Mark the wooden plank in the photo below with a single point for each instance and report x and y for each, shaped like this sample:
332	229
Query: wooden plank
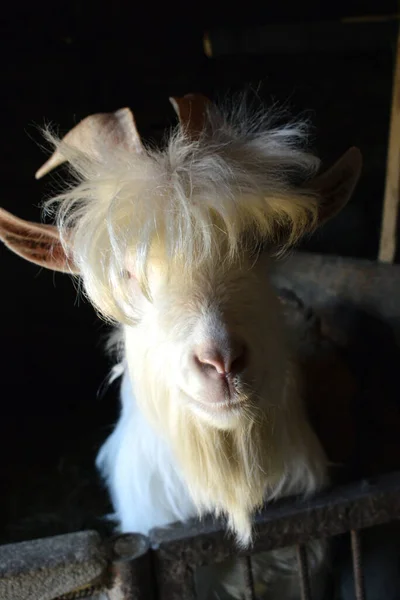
388	241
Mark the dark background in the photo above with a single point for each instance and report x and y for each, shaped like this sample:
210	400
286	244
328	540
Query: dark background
62	61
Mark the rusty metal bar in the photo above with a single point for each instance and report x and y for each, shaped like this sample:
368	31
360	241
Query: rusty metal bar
86	592
51	567
175	580
130	566
285	523
131	569
249	592
78	565
302	562
359	587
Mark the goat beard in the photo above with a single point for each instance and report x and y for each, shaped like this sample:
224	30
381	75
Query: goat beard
227	471
271	452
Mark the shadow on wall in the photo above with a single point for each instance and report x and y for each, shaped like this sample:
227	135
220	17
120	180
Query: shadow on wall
370	348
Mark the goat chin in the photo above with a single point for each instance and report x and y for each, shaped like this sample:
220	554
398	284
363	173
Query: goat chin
160	472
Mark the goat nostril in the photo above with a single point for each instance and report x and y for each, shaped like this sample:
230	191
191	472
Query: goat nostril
211	362
215	362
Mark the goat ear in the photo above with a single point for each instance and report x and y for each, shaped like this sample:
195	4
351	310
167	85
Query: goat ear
37	243
96	135
192	112
336	185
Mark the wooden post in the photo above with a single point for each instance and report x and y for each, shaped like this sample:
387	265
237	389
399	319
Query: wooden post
387	247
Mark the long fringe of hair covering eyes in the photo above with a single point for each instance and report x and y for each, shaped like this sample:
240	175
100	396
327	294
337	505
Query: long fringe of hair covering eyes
203	199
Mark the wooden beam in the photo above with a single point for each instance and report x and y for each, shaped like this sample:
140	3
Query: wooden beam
388	241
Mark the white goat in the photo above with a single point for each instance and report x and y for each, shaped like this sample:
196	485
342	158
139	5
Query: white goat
175	245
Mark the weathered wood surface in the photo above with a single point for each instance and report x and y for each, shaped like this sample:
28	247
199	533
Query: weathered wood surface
390	216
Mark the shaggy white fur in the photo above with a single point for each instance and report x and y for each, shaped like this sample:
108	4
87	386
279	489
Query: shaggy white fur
175	245
205	200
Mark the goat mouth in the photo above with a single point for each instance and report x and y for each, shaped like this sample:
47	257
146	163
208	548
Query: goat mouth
232	403
230	398
230	387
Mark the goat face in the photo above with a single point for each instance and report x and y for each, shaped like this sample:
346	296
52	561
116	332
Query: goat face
213	338
208	326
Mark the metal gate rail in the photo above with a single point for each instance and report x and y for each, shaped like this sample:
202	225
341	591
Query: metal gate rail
288	522
133	567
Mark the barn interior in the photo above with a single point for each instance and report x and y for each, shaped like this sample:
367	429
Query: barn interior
333	62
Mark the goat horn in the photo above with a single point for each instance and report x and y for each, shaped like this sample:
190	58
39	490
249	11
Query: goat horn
94	133
55	160
192	112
